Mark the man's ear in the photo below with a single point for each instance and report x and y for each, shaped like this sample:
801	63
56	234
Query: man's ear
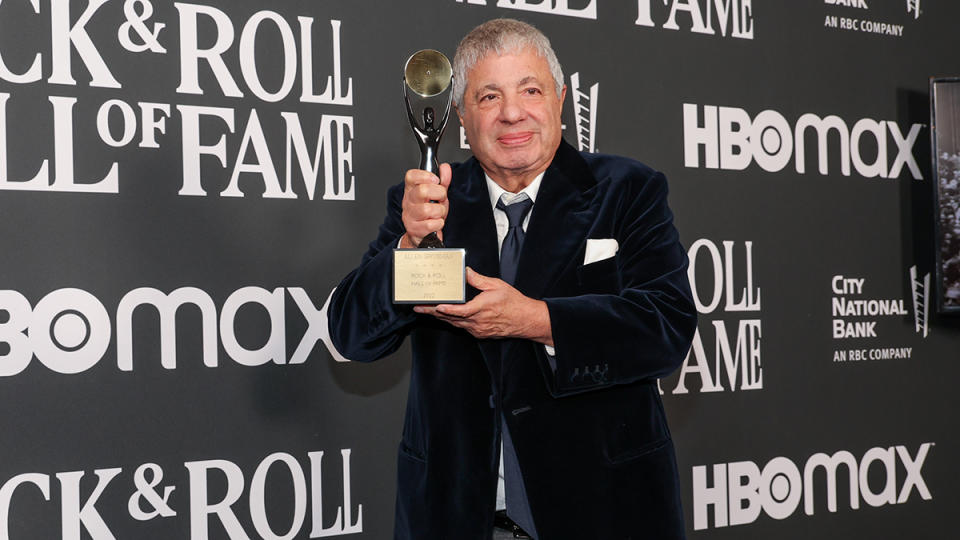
459	116
563	95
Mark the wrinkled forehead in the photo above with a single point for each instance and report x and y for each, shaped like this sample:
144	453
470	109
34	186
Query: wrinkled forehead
528	63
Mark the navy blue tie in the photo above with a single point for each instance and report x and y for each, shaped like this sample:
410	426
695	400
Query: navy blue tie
518	509
510	250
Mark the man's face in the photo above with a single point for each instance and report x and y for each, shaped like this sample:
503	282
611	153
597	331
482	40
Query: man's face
511	113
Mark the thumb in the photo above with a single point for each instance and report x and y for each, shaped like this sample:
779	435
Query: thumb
480	281
446	173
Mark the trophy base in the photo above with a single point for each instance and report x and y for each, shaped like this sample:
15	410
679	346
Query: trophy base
429	276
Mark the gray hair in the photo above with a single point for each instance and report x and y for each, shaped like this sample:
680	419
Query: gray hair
500	36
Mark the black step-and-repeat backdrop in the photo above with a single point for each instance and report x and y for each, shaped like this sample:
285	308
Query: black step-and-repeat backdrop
182	184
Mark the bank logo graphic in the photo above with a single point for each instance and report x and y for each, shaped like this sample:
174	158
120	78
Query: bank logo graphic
731	140
920	292
725	352
913	6
855	313
583	9
740	491
862	4
585	114
858	318
844	21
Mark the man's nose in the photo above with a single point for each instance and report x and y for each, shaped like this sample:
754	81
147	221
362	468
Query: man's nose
512	109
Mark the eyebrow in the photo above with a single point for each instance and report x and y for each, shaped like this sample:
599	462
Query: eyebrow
495	88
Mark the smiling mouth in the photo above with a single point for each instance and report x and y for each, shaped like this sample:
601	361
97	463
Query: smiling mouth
515	139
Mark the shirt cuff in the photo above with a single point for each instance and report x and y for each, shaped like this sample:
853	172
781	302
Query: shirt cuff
551	357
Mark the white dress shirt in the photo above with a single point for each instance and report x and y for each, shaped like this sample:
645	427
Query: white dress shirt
496	192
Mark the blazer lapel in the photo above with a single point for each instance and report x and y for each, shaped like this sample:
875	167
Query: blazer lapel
559	223
470	225
470	221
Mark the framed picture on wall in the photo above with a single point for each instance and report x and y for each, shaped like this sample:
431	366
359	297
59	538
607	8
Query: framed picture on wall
945	142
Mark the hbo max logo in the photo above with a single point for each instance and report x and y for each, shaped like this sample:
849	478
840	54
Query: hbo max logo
741	491
730	139
69	330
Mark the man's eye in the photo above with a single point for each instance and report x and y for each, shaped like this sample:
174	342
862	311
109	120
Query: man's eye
533	91
489	97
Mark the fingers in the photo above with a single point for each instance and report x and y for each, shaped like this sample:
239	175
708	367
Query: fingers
450	311
466	323
460	311
428	193
420	176
425	206
427	181
422	186
427	211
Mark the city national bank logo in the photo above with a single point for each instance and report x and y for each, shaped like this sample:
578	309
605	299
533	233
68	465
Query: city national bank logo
728	138
69	330
849	308
857	315
740	491
883	24
585	113
725	353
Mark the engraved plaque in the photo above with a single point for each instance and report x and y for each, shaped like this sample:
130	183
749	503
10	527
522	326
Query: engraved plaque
429	276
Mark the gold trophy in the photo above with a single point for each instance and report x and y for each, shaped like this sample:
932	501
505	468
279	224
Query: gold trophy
431	273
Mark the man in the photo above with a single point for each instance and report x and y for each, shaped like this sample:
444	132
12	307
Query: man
558	360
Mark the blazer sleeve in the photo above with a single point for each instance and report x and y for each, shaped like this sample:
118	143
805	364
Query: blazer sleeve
364	323
644	330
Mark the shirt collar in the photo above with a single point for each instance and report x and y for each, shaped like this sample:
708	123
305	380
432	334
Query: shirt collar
496	191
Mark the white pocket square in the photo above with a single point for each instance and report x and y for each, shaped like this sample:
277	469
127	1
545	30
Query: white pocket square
599	249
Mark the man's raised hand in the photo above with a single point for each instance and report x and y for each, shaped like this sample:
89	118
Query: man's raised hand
425	204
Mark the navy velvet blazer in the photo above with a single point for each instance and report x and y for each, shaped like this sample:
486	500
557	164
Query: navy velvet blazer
590	435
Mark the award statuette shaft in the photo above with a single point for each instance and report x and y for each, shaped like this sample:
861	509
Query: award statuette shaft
430	273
